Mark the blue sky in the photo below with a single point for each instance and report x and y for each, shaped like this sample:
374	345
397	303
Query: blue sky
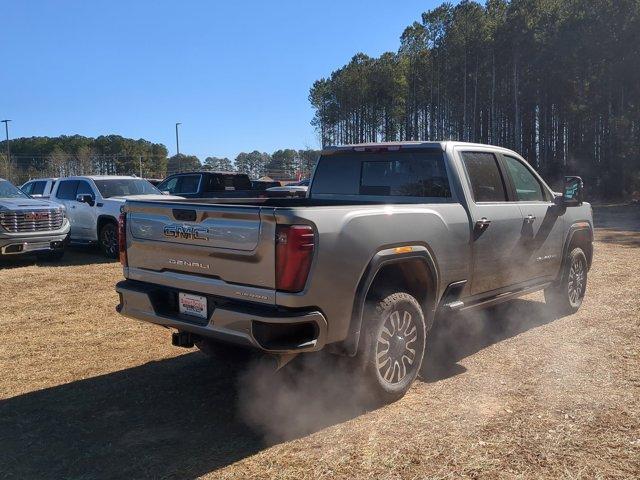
236	74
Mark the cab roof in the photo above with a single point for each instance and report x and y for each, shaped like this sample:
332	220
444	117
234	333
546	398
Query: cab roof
375	146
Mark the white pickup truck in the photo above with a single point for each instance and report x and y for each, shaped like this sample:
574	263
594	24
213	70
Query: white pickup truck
93	206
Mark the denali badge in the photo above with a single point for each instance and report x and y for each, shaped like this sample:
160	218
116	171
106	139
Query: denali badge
188	232
187	263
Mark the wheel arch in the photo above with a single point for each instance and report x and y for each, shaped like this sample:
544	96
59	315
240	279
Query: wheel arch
102	221
580	235
414	271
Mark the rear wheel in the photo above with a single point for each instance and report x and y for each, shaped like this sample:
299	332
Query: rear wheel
565	297
393	345
108	240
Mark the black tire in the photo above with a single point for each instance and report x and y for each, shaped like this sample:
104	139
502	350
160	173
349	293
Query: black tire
55	256
565	297
223	352
392	345
108	240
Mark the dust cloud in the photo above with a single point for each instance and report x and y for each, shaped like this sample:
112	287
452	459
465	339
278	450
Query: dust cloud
312	392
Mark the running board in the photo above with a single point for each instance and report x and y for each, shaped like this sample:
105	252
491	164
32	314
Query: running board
460	306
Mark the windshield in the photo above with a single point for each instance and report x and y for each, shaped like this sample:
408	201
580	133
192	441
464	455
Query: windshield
121	187
9	191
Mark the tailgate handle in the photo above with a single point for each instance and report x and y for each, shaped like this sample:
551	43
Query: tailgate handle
184	215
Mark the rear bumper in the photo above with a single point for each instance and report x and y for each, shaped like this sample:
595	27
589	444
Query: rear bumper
18	245
269	329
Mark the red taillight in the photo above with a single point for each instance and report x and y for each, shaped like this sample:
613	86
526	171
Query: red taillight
122	238
294	252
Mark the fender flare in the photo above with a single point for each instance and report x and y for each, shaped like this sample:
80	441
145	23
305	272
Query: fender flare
573	229
102	219
380	260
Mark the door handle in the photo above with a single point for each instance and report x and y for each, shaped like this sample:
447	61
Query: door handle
483	224
529	218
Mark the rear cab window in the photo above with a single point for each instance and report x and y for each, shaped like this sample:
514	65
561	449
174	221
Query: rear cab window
410	174
38	188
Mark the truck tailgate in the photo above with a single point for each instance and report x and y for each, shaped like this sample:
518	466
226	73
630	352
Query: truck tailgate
220	247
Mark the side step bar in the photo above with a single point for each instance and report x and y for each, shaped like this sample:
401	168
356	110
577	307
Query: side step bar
460	306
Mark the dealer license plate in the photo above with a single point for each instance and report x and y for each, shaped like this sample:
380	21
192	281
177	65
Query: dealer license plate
194	305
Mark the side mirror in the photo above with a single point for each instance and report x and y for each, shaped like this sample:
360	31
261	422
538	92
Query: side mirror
85	198
572	193
165	192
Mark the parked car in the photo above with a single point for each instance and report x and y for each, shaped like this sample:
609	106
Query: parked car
389	237
208	185
295	189
93	205
40	188
29	225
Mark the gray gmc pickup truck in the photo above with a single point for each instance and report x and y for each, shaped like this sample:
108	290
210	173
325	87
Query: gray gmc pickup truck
29	225
389	237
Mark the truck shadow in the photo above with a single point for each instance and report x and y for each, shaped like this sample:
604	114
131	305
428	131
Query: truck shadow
457	336
186	416
75	255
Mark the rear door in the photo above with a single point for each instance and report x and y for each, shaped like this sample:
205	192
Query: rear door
496	222
66	194
219	245
86	219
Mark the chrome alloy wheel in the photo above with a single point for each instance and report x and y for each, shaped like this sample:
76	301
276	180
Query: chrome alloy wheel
395	351
576	282
109	239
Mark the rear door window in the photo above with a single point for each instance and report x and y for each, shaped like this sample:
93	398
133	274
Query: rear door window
188	184
38	188
487	184
67	190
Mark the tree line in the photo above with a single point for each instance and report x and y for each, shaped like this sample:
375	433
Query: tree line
556	80
115	155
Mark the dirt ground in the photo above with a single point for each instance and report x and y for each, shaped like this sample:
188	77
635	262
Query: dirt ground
510	393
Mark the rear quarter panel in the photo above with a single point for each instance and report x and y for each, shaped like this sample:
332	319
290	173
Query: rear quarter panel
348	237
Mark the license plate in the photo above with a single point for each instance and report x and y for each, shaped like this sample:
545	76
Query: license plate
194	305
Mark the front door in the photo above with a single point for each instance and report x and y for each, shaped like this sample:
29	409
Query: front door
496	224
542	227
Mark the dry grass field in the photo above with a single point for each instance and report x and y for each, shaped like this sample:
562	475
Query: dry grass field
510	393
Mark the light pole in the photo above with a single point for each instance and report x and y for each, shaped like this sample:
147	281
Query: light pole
178	147
6	130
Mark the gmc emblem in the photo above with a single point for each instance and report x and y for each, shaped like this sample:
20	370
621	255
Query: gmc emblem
186	232
33	216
